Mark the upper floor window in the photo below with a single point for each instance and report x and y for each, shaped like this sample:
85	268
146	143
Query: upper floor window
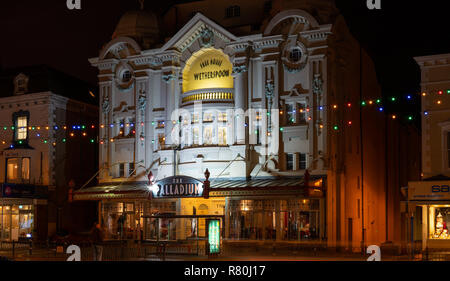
18	170
126	76
20	120
289	162
295	55
302	161
22	128
233	11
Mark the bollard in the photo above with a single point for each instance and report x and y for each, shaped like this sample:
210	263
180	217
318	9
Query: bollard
13	249
31	248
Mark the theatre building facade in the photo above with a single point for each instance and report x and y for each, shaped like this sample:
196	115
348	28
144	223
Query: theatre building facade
234	117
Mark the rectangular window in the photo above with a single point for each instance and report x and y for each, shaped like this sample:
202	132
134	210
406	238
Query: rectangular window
160	124
22	128
12	170
122	170
301	113
222	135
195	136
161	141
195	118
131	169
207	137
289	162
302	161
18	170
25	169
290	114
222	117
207	117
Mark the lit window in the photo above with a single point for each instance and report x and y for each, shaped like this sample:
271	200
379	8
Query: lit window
12	170
222	117
25	169
207	137
207	117
222	136
195	118
161	141
22	128
195	136
160	124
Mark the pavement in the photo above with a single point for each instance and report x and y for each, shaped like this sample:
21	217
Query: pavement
49	255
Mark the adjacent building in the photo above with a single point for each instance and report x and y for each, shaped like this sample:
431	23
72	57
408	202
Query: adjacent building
428	203
42	154
276	100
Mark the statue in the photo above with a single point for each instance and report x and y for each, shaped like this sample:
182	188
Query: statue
317	84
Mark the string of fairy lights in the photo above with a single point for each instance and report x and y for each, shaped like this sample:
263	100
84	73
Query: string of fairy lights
90	132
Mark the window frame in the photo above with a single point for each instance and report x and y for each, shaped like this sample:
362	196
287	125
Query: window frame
15	120
19	179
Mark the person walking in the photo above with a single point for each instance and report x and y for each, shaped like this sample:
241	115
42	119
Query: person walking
97	241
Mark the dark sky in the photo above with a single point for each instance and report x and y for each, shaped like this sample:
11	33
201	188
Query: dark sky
46	32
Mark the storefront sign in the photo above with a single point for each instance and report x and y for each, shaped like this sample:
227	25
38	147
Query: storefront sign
431	190
214	236
178	186
23	191
207	69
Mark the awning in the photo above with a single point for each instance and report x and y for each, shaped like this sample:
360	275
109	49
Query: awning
218	188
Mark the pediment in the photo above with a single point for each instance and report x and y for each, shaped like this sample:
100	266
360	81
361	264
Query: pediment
194	30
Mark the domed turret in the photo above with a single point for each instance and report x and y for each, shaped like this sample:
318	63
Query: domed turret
140	25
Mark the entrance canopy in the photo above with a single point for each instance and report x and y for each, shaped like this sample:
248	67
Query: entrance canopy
218	188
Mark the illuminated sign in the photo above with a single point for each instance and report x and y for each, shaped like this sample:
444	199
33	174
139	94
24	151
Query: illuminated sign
214	236
425	190
178	186
209	68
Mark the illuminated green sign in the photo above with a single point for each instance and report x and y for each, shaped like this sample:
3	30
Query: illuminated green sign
214	236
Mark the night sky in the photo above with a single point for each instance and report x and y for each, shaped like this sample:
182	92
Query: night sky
46	32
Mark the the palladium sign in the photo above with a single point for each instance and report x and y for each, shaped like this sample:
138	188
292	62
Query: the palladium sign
178	186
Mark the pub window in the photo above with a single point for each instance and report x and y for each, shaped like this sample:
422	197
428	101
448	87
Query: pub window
289	162
18	170
22	128
302	161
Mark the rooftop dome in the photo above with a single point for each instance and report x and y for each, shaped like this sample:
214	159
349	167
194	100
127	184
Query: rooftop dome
140	25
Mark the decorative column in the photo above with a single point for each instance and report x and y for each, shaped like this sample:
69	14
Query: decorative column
140	136
106	133
240	75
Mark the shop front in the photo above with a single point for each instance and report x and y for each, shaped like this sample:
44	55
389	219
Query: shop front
20	206
429	202
248	210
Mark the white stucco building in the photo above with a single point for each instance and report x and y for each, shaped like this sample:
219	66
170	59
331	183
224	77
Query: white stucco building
260	56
